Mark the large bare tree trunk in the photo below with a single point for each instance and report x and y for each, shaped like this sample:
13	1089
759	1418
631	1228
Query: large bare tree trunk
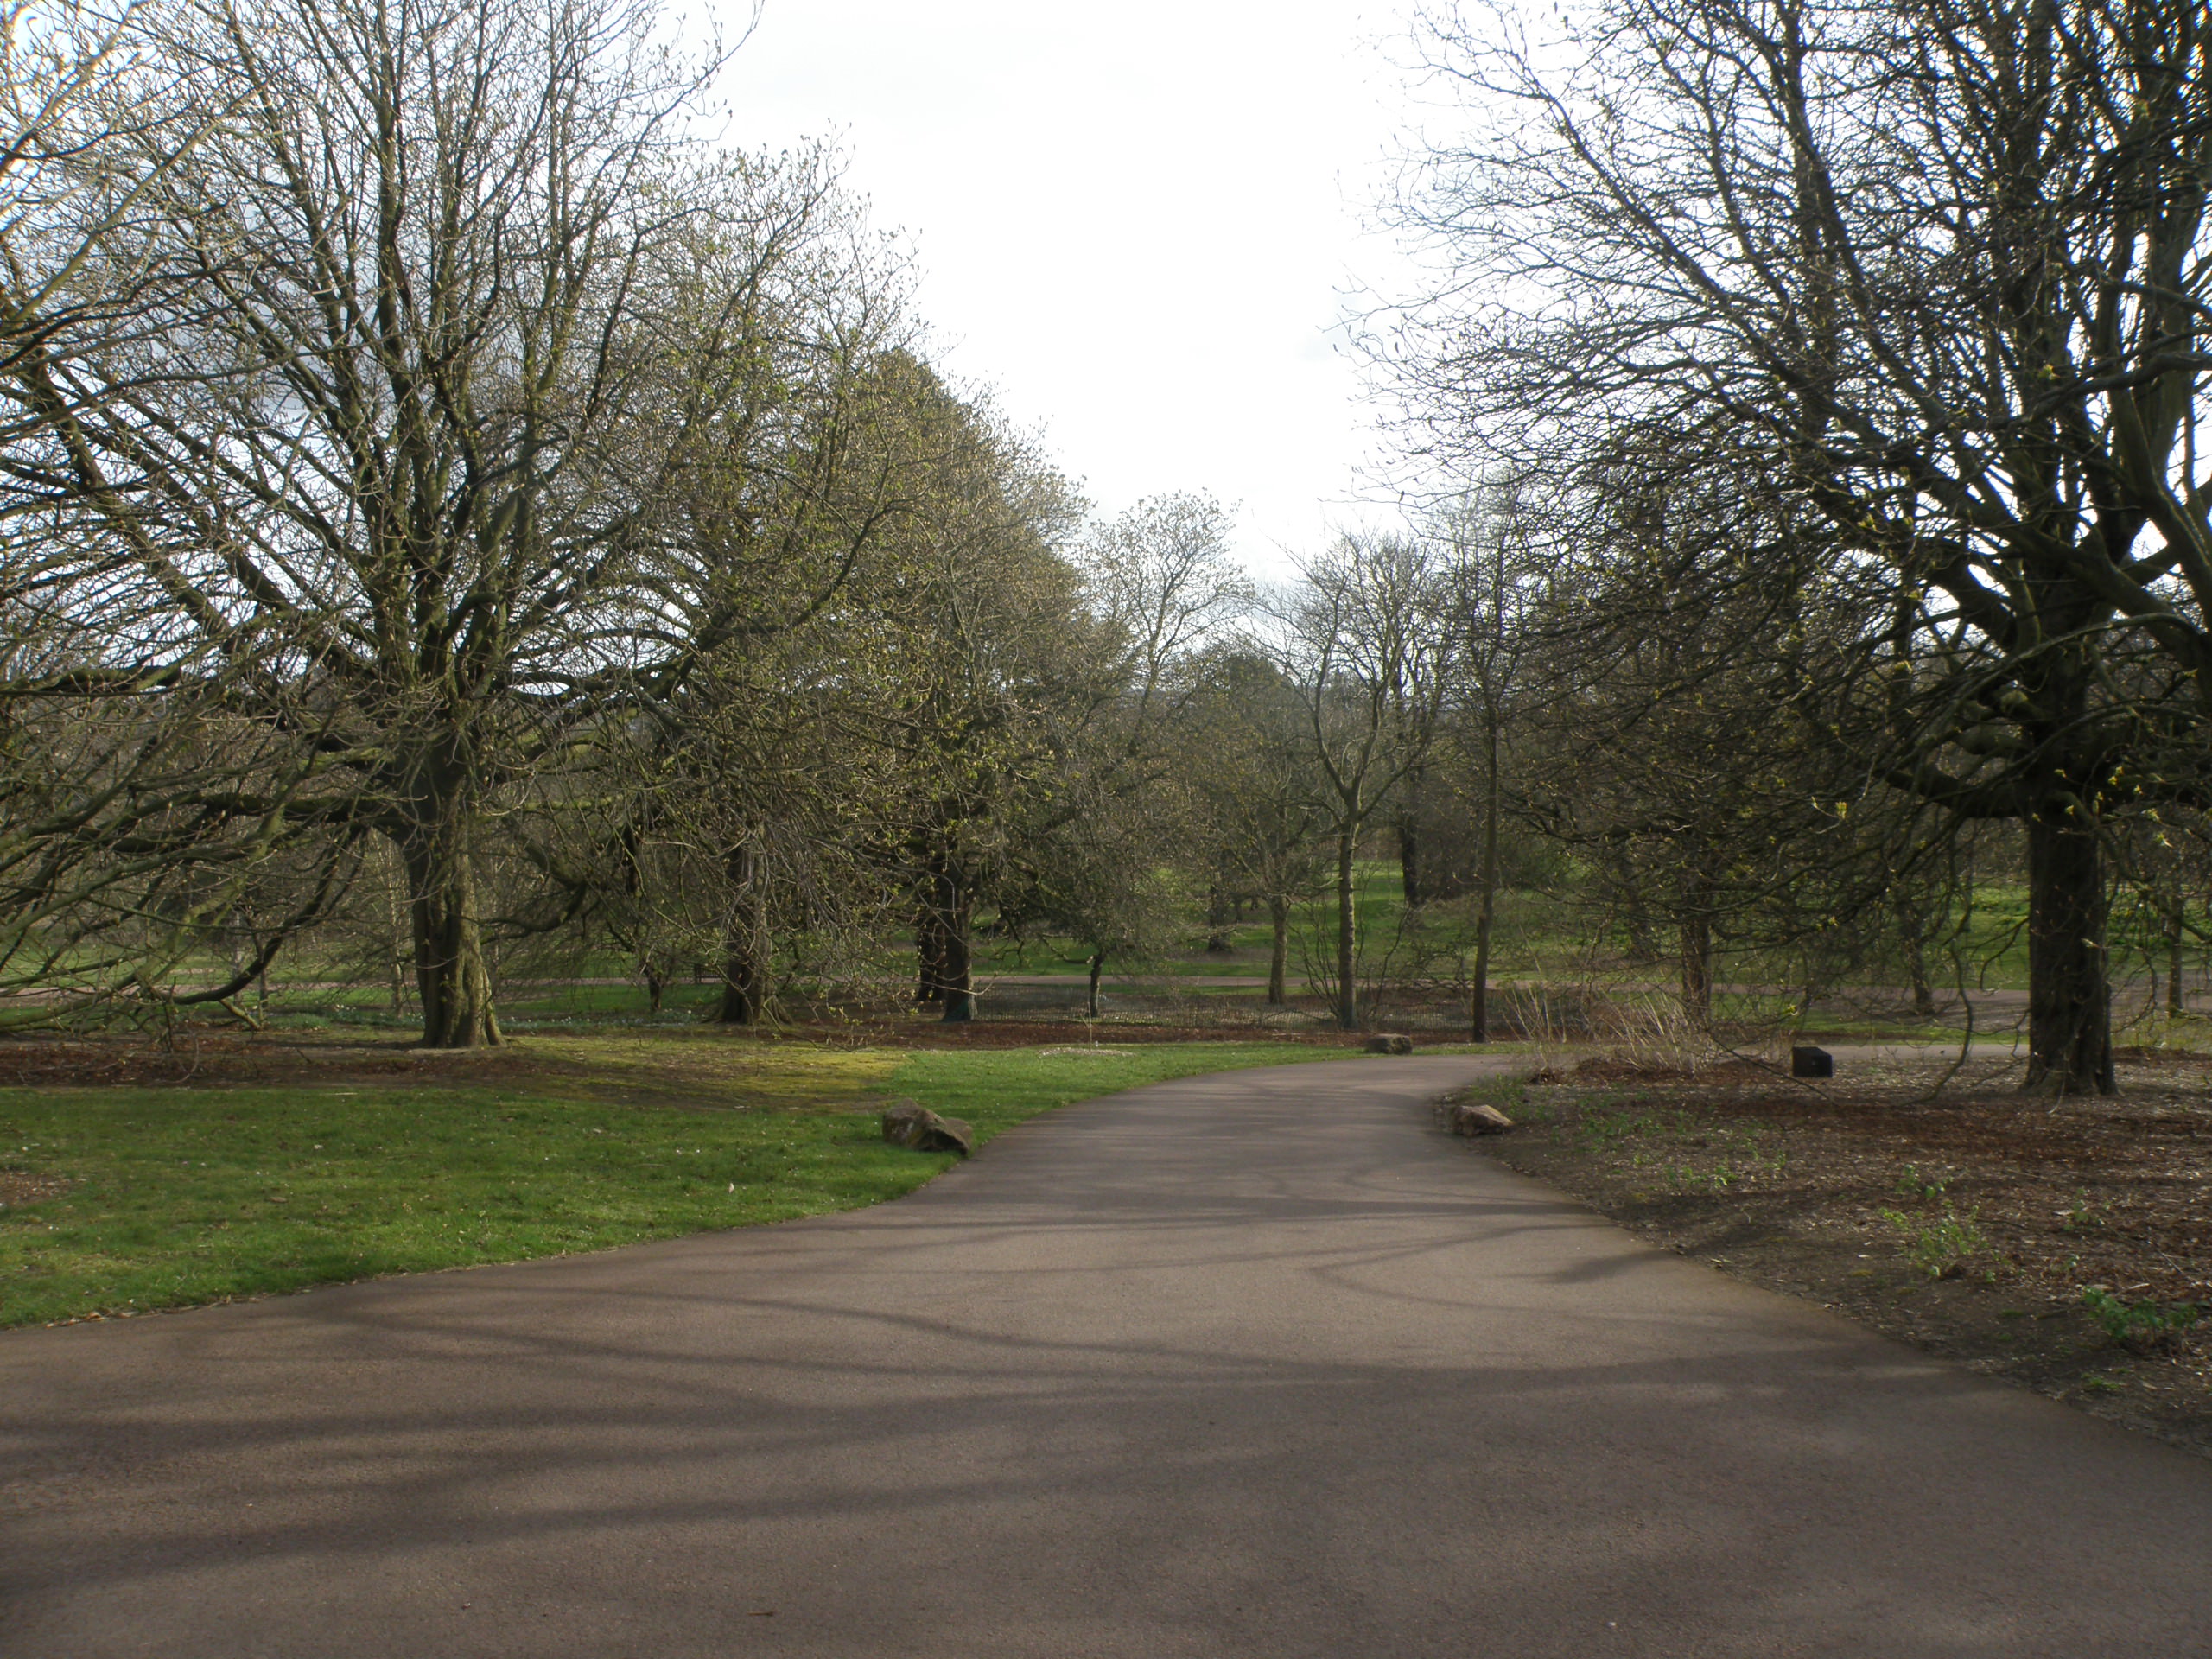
1479	1007
943	932
959	985
744	994
1347	921
2069	998
1409	872
929	954
451	972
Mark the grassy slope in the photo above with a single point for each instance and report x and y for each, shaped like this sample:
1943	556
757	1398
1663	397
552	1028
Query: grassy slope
179	1196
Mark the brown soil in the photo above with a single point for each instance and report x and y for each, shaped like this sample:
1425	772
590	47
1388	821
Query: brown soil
925	1032
232	1057
17	1189
228	1057
1970	1223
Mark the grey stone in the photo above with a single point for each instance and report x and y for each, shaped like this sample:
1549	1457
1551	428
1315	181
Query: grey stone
910	1124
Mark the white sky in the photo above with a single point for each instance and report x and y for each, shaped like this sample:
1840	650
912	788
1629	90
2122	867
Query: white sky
1135	220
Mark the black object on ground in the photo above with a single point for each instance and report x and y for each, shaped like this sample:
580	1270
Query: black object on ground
1811	1063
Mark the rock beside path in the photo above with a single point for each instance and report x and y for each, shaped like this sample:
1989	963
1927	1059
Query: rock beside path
1464	1117
912	1125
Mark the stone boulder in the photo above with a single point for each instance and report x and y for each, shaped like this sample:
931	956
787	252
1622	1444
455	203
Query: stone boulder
1464	1117
1390	1043
909	1124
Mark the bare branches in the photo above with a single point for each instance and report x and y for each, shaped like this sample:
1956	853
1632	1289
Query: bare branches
1935	275
1368	641
411	386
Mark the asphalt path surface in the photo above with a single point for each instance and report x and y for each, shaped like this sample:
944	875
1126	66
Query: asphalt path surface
1259	1363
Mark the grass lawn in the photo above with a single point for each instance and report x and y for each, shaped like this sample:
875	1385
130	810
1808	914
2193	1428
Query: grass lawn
173	1196
1542	939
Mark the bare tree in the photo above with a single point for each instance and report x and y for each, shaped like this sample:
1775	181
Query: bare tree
1492	587
1698	658
142	819
1366	643
1161	577
976	622
82	141
1248	756
1938	268
755	772
1092	855
448	314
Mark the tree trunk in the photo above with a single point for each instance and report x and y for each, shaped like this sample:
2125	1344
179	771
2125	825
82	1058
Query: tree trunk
1218	919
958	981
744	943
1914	929
2176	998
1478	1006
1097	967
656	986
451	973
1278	951
1409	874
743	997
2070	999
928	953
398	936
1696	936
1635	918
1347	988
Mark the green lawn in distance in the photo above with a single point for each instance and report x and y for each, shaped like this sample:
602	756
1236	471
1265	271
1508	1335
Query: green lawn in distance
180	1195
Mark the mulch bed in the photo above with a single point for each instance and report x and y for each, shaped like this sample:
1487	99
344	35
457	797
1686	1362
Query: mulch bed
1979	1222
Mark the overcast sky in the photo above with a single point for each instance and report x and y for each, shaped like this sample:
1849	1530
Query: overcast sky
1135	220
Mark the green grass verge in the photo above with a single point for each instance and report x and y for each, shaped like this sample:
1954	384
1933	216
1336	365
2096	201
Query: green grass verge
180	1195
1542	936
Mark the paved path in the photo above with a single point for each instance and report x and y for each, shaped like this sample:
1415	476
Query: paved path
1256	1364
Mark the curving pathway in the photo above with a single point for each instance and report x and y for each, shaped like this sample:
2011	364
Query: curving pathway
1254	1365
